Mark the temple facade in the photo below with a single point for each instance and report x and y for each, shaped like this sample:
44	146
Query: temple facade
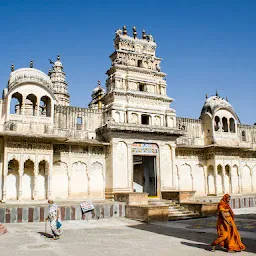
129	139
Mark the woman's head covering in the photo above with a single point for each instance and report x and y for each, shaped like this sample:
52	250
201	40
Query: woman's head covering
224	204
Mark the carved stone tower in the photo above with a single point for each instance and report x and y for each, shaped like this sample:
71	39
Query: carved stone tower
58	78
136	89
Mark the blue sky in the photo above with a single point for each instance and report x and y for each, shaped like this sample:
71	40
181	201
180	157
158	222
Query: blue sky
205	45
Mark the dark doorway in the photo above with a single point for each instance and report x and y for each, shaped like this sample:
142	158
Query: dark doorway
144	174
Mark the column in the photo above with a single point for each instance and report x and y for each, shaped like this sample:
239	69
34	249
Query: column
173	167
69	185
37	108
49	192
130	166
215	178
5	172
20	187
23	105
35	195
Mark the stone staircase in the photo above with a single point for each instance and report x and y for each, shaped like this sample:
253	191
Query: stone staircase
175	211
3	229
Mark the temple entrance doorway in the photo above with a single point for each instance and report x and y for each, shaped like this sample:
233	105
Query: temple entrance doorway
144	174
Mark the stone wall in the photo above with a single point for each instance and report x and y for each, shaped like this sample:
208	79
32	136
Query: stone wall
22	214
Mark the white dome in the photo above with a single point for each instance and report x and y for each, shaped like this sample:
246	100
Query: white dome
29	75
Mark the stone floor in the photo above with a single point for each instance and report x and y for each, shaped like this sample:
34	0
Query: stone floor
122	237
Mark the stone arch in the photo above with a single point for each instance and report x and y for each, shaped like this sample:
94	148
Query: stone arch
157	121
210	180
28	180
42	179
224	124
121	154
219	179
232	125
79	180
45	106
97	181
227	179
12	180
199	180
134	118
30	105
16	104
60	180
167	170
185	178
235	179
117	117
246	180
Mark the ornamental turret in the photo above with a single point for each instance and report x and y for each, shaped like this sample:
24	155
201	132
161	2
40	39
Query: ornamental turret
97	95
58	78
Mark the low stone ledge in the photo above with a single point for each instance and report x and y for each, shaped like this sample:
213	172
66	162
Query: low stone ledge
37	213
147	213
203	209
132	198
179	196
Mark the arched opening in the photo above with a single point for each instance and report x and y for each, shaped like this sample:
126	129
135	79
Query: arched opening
16	104
232	125
216	123
12	180
235	180
227	179
42	179
246	180
210	180
219	180
60	176
97	181
79	180
45	106
224	124
28	180
30	105
157	121
185	178
145	119
199	180
243	136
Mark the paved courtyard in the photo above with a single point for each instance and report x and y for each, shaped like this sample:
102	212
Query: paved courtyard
123	237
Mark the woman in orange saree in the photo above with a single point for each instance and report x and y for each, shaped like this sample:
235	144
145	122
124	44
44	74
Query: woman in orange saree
228	235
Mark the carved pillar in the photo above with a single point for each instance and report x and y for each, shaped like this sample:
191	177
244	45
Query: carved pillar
4	188
69	185
37	107
35	195
23	105
20	186
49	192
173	166
215	178
130	167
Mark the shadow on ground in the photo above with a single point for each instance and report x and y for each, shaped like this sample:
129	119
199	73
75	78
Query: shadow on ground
203	239
45	234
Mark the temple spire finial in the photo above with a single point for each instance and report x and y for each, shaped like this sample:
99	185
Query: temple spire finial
58	57
227	99
12	68
124	31
98	83
144	36
206	96
217	93
31	64
134	32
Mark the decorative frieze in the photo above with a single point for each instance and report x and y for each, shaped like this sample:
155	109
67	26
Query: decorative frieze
28	145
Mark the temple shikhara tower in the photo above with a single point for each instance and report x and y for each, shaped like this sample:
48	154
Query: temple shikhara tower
128	140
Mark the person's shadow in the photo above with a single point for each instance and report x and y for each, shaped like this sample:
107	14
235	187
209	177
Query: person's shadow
45	234
206	247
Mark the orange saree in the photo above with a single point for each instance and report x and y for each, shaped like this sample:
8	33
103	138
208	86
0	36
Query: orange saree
228	236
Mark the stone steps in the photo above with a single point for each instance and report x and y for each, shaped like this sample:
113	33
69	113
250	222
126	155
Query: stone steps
175	211
3	229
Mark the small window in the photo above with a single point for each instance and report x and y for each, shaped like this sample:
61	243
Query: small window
224	124
140	63
79	123
232	125
216	123
145	119
142	87
243	136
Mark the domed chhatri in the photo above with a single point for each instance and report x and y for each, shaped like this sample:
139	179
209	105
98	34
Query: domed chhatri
215	103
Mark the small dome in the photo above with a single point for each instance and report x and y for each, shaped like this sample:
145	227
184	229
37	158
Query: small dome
58	63
29	75
214	103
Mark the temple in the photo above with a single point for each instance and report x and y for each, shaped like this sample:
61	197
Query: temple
129	139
